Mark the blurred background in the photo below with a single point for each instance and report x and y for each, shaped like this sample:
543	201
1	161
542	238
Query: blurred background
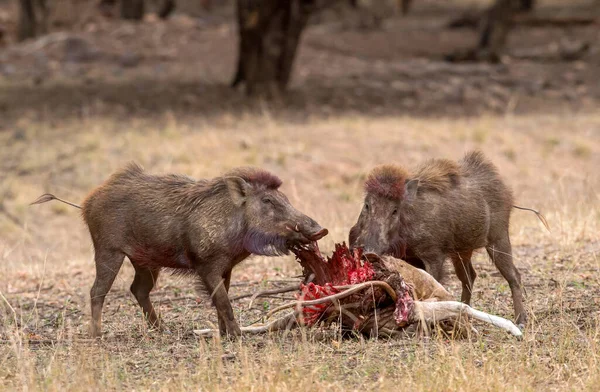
461	57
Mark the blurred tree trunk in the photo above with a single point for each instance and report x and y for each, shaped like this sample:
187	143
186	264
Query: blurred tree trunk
27	24
132	9
494	30
166	8
494	27
404	5
526	5
30	25
269	33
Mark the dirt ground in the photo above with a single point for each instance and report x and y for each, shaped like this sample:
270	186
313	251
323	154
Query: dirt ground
77	105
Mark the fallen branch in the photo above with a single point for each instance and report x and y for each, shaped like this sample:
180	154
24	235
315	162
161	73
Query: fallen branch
266	292
472	20
283	323
274	291
349	290
563	52
564	21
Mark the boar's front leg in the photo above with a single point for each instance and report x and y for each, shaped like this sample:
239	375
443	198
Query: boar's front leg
222	322
465	272
434	263
217	282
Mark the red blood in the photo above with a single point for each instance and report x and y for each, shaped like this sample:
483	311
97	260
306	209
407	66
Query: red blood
347	267
404	306
343	268
308	292
160	257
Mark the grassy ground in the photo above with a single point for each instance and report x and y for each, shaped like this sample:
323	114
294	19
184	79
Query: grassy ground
47	269
67	133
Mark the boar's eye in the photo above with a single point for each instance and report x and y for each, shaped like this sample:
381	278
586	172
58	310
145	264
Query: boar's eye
367	207
267	200
395	212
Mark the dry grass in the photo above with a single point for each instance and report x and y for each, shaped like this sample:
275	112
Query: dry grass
47	269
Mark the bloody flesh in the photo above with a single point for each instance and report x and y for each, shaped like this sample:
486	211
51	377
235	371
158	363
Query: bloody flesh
349	267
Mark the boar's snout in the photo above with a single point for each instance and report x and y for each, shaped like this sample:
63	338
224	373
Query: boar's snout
366	242
319	234
307	231
361	245
313	231
367	249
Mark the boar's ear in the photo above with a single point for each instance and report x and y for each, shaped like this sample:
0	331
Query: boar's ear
410	189
238	189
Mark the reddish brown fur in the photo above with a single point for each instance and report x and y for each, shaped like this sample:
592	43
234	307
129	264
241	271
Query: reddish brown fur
256	176
387	181
438	175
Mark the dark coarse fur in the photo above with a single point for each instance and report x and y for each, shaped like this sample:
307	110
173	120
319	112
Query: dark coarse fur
445	210
202	227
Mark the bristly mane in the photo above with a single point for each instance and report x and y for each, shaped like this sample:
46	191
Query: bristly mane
387	181
476	161
256	176
438	175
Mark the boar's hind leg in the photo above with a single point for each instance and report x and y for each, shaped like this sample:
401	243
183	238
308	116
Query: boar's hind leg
465	272
500	252
108	264
142	285
215	283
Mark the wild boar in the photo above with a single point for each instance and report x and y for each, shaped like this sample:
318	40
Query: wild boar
442	210
203	227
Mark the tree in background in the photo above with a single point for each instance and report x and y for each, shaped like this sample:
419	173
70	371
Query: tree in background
269	33
33	18
494	26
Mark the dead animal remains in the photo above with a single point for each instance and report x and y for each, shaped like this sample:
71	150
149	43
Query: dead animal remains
373	295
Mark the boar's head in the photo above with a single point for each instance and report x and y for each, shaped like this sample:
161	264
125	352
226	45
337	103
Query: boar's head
380	226
272	224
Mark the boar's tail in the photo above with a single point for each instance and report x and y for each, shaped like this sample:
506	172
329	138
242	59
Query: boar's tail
48	196
539	215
